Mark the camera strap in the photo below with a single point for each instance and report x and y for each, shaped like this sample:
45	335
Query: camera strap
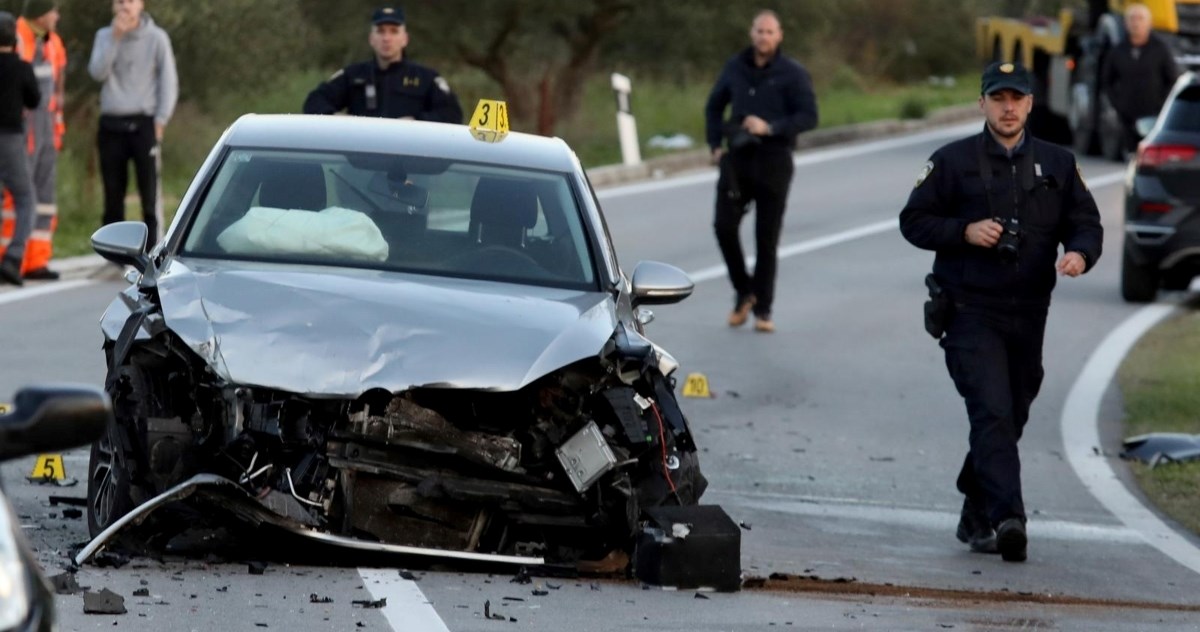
1024	169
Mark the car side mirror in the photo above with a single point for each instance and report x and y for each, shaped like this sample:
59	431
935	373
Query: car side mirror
123	243
1145	125
49	418
657	283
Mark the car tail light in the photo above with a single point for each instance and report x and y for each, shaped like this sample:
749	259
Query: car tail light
1154	207
1151	155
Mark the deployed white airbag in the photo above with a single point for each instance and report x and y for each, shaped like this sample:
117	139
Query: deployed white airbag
333	232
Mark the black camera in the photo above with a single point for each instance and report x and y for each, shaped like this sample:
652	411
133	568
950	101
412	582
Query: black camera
1009	239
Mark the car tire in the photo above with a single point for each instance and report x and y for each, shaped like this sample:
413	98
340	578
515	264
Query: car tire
109	491
1139	283
112	489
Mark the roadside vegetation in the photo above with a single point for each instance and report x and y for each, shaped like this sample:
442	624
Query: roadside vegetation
1160	383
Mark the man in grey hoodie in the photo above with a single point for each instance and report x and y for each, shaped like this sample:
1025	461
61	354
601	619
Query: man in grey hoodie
132	57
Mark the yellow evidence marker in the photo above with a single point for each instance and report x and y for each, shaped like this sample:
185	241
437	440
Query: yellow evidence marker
696	385
49	467
489	123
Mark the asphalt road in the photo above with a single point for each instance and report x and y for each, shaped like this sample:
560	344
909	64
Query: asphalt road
835	441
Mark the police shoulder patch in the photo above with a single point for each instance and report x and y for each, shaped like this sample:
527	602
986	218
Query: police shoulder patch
442	84
925	171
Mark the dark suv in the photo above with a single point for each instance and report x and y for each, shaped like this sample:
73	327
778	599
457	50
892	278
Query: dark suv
1162	200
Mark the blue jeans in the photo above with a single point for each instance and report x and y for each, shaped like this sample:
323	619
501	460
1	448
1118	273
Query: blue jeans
14	176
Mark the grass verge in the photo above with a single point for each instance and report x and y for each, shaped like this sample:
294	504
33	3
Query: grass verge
1160	383
662	108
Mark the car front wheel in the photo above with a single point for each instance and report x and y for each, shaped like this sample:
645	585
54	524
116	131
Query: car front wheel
109	488
1139	283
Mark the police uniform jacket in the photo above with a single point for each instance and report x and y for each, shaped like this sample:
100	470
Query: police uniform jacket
780	93
1044	191
402	89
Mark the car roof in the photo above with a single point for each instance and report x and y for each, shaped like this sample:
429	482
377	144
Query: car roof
391	136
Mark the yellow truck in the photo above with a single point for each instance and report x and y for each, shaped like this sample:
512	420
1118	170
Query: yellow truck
1066	55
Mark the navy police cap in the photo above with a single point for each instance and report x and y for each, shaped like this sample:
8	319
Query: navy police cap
1006	76
388	15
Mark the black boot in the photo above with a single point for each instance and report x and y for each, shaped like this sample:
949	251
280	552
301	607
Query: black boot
10	271
1011	540
974	529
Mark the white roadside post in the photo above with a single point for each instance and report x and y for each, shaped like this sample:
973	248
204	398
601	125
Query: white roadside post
631	154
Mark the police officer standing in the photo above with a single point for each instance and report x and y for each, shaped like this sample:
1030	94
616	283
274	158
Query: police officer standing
772	102
388	86
995	207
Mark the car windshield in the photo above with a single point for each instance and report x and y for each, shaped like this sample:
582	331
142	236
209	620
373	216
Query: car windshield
1184	113
394	212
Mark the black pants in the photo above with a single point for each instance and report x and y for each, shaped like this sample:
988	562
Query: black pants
121	139
995	359
762	175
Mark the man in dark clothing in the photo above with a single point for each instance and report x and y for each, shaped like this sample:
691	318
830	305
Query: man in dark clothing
995	207
1138	73
18	92
388	86
772	101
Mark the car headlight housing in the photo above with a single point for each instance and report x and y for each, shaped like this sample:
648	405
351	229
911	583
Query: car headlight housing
14	581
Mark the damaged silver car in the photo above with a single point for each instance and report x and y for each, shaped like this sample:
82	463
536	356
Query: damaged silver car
389	332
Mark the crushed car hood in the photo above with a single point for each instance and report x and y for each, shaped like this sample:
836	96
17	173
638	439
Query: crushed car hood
338	332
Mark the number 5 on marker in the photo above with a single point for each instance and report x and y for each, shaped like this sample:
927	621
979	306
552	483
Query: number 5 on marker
49	467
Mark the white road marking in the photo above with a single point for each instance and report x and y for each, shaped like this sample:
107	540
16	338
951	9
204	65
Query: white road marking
42	290
1080	435
407	607
802	159
941	521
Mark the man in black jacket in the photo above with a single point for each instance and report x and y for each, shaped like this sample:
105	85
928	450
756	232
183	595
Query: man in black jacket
1138	73
389	85
772	101
995	207
18	92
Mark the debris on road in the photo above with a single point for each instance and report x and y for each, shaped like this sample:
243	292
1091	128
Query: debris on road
110	559
314	598
256	568
1157	448
522	577
103	602
141	592
697	546
73	501
72	513
65	584
367	603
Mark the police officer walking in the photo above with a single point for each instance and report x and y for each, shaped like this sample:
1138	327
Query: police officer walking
995	207
388	86
772	102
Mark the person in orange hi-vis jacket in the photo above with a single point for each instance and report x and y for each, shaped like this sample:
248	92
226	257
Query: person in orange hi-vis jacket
40	45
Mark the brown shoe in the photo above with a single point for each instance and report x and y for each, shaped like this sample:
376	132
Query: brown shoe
764	324
741	311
